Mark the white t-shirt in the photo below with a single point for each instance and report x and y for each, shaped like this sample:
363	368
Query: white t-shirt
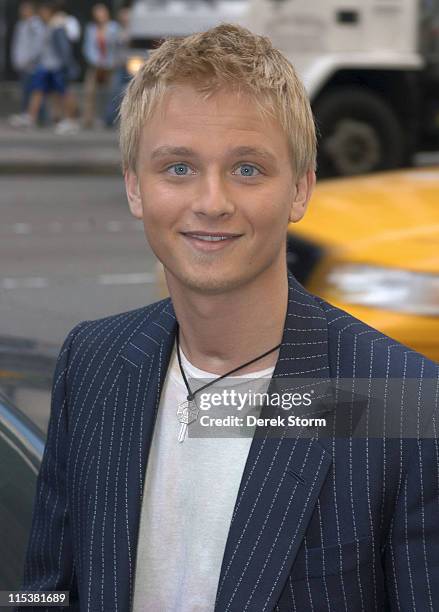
189	497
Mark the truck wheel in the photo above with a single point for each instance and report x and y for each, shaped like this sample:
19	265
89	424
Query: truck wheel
359	133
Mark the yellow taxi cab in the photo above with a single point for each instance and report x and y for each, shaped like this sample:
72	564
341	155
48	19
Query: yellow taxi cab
370	245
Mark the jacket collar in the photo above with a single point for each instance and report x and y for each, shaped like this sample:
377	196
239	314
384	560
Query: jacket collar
305	336
282	477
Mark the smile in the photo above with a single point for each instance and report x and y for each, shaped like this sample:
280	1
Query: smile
210	241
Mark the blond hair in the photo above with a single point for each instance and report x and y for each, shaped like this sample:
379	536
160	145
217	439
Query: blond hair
227	56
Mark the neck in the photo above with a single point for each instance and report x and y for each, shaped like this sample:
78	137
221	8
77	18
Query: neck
220	332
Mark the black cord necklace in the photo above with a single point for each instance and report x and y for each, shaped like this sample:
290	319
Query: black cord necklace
187	411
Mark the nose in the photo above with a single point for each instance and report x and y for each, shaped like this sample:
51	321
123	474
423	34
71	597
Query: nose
213	198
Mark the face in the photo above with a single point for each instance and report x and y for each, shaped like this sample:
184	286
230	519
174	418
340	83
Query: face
123	17
100	13
215	189
45	13
26	10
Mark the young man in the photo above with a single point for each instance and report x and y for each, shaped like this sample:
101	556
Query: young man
134	513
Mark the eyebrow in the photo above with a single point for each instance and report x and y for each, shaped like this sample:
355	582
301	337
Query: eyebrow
258	151
165	151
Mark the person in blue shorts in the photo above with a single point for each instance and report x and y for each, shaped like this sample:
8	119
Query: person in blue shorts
56	66
27	42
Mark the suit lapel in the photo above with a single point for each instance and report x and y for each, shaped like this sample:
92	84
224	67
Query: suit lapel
282	477
146	358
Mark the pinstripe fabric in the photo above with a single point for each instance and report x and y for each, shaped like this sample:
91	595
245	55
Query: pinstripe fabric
319	524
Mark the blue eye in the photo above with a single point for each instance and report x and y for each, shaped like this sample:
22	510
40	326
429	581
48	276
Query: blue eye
248	170
180	169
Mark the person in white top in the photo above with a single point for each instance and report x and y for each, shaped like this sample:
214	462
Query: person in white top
69	125
26	48
210	170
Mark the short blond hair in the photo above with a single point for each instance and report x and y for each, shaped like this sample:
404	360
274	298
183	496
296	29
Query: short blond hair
227	56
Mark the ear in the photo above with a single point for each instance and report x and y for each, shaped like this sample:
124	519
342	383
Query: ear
133	194
303	191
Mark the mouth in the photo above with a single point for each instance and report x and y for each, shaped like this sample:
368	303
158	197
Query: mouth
210	241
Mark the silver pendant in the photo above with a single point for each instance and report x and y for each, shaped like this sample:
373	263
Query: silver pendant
187	412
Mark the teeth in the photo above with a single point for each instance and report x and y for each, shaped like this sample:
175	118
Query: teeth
210	238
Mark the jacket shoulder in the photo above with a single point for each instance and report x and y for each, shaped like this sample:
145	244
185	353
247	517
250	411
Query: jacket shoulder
95	346
359	350
116	330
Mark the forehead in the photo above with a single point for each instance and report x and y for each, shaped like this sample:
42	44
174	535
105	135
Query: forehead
226	116
100	8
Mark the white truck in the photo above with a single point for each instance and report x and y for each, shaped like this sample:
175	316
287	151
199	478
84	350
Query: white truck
371	67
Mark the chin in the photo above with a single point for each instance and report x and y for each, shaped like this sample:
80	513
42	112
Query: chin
205	283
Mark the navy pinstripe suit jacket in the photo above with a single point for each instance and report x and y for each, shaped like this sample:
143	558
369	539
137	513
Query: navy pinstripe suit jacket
319	524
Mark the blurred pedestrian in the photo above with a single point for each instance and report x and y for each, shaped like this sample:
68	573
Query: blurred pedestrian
71	23
27	44
55	67
100	44
73	30
121	75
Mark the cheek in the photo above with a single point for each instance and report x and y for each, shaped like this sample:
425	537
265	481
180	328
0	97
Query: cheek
273	210
160	205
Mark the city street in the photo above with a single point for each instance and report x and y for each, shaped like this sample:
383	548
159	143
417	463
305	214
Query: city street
70	250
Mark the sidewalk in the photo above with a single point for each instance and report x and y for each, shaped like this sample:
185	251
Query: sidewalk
41	151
